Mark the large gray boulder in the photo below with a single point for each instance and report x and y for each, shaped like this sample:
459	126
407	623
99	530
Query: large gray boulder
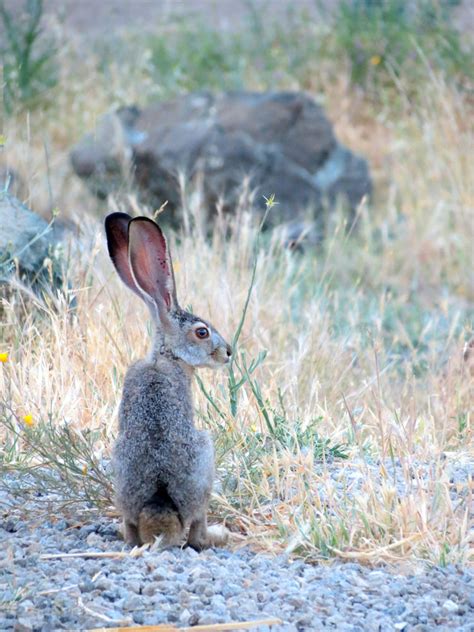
11	182
28	245
277	143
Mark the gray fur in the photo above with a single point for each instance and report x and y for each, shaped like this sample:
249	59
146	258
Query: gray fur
158	445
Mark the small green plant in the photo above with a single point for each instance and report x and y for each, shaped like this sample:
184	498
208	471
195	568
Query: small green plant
191	55
28	59
280	433
444	556
385	40
194	57
10	598
293	435
47	457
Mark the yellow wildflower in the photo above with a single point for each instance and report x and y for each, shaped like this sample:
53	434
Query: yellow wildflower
84	469
375	60
4	357
28	419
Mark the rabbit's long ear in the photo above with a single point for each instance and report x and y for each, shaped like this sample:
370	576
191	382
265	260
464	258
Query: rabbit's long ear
116	229
150	263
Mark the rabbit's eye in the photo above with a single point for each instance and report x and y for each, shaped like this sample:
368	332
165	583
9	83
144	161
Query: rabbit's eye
202	333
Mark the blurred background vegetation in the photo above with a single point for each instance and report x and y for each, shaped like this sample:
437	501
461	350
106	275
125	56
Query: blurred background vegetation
381	44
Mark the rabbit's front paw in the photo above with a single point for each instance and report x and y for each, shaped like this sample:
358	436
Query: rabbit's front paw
217	535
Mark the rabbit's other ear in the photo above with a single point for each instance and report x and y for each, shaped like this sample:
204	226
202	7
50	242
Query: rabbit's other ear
150	263
116	229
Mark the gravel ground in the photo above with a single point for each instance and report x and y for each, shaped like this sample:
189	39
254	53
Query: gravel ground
186	588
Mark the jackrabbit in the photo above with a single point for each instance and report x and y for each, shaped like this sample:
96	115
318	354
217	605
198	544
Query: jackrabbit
164	466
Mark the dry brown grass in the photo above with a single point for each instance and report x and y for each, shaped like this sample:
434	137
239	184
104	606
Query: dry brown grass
365	334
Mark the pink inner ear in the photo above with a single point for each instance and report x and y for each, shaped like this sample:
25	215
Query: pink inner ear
149	261
116	228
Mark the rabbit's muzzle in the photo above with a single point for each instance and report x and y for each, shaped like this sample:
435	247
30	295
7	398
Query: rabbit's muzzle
222	354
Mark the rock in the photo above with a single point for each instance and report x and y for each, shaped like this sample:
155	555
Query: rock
27	243
134	586
139	617
397	609
93	539
24	624
207	618
12	183
149	590
185	617
450	606
133	602
229	590
239	144
103	157
103	583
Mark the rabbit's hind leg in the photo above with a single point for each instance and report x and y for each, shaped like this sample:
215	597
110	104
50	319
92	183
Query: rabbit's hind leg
130	533
160	518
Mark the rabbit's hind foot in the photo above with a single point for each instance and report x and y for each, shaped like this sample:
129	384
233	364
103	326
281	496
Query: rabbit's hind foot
217	535
130	533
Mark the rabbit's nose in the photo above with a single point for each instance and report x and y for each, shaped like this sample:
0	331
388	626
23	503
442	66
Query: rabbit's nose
229	351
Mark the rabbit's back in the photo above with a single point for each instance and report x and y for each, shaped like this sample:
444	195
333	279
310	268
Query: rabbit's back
156	400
